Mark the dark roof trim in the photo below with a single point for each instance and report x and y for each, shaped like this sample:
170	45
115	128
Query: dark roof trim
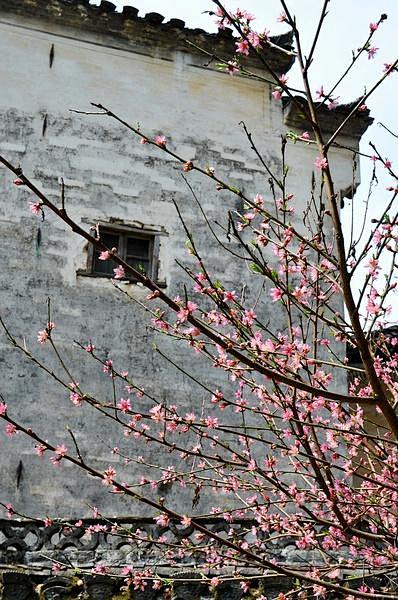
385	336
133	32
330	120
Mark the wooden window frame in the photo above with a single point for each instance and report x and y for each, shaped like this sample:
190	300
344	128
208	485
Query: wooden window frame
124	232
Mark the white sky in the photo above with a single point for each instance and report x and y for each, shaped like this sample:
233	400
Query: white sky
345	29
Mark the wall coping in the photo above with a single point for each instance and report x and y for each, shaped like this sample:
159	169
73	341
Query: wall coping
148	34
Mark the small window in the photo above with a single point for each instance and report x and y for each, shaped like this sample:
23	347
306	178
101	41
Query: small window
138	249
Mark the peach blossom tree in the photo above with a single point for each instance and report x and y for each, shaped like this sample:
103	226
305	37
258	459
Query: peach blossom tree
301	458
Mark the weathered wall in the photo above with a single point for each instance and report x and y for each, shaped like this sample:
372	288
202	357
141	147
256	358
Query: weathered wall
108	174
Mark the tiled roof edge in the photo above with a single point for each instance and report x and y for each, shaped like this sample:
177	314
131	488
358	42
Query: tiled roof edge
130	29
330	120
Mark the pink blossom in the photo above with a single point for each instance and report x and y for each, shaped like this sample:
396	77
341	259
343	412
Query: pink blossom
108	367
321	163
163	520
261	240
127	571
124	404
244	15
229	296
372	307
139	582
186	521
10	429
362	107
157	413
190	417
333	102
100	569
105	255
215	582
184	313
10	511
43	335
47	522
306	541
305	136
35	208
373	267
277	93
119	272
89	347
76	398
211	422
61	450
248	317
188	166
232	68
248	16
276	294
242	47
372	52
216	397
109	475
319	591
300	292
221	17
160	140
373	26
254	39
56	567
387	164
96	528
162	325
387	68
320	93
18	181
40	449
193	331
3	408
153	295
251	465
282	17
334	574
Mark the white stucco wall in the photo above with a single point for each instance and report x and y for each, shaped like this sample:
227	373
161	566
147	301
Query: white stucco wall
108	174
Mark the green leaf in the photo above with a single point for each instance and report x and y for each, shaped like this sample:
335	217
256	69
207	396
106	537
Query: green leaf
188	245
234	190
274	275
292	136
255	268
